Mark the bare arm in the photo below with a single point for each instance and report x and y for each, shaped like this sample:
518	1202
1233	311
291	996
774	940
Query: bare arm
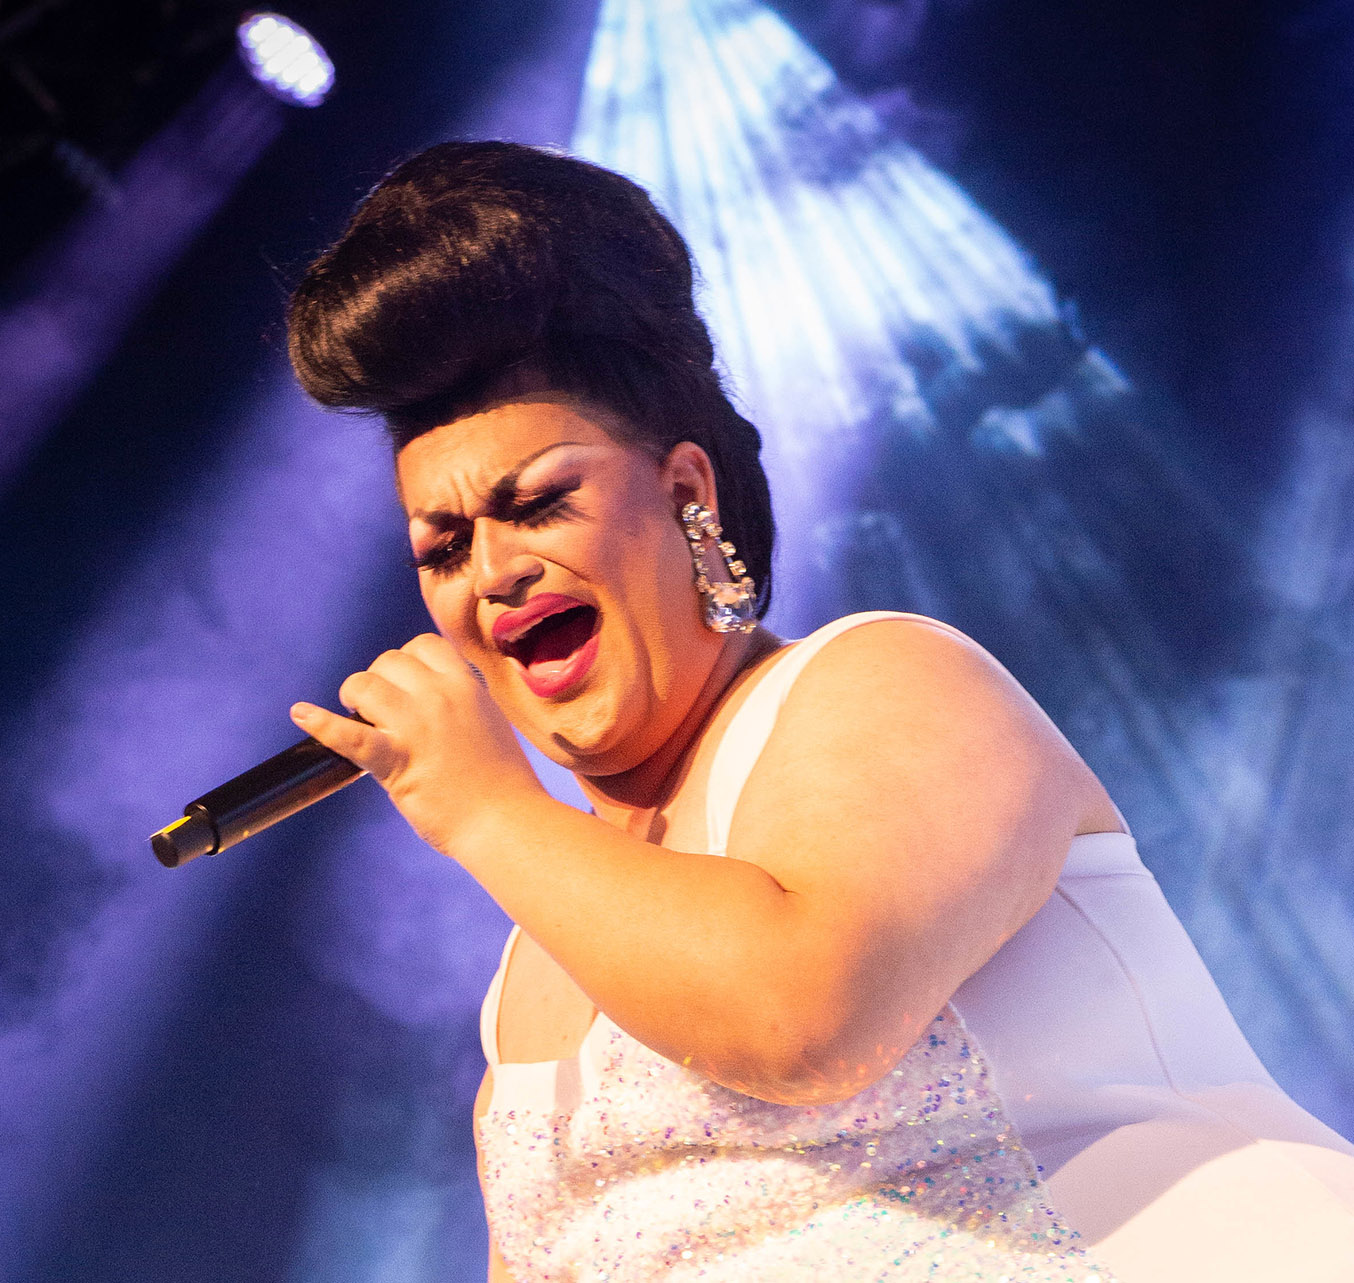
911	810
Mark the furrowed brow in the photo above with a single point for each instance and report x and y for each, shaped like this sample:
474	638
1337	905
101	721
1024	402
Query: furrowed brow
503	492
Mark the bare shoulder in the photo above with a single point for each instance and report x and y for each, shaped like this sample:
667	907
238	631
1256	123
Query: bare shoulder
903	733
915	671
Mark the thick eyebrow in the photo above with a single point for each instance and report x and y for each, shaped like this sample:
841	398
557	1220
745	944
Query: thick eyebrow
504	491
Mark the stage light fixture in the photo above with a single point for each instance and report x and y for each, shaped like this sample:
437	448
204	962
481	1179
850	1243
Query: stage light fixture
285	59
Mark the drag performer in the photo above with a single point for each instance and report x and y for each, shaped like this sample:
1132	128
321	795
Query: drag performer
853	972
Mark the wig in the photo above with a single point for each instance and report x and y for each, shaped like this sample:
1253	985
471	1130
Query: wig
476	263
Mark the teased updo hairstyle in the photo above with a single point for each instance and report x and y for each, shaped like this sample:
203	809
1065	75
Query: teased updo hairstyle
475	261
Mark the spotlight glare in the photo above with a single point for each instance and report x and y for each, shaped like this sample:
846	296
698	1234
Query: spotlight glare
270	46
285	59
259	31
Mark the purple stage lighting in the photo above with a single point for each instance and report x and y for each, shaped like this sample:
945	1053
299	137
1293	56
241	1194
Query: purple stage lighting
285	59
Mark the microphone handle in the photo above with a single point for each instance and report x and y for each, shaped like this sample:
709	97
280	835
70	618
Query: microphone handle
284	784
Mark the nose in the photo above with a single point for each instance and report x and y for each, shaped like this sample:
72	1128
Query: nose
500	565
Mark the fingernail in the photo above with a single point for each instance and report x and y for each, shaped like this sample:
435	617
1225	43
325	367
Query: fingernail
300	712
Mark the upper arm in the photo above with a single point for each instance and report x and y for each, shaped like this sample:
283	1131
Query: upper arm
917	805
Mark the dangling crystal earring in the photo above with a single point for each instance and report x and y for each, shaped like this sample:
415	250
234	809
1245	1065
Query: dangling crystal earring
730	604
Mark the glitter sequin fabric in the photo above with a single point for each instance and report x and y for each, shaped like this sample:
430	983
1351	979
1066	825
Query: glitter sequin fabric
656	1172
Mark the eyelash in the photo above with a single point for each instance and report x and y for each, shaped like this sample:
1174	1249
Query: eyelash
450	555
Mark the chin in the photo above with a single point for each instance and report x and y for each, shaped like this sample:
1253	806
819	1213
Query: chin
589	735
604	724
595	744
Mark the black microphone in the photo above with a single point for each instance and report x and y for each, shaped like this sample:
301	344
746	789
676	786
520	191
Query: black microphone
268	792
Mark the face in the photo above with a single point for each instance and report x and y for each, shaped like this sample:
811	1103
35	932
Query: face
553	558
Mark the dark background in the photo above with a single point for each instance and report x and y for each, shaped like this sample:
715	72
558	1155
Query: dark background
261	1067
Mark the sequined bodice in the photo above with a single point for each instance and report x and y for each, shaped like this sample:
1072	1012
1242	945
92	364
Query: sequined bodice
639	1169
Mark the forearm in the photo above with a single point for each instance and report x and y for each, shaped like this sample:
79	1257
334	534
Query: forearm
710	961
872	886
702	958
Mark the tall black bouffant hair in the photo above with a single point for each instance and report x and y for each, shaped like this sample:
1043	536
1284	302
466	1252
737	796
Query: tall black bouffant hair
473	262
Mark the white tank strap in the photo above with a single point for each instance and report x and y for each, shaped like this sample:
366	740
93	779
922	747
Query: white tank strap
493	998
747	733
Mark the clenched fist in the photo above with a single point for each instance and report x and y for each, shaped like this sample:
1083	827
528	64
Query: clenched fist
433	739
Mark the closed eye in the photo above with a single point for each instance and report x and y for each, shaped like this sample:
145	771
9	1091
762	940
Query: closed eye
543	508
452	552
447	555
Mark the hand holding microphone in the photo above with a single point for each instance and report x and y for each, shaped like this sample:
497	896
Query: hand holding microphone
410	729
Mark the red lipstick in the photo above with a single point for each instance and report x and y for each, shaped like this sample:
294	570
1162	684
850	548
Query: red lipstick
552	641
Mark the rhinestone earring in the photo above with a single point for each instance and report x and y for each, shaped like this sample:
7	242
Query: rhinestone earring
731	602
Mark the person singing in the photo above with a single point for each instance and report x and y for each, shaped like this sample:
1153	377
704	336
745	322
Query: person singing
853	971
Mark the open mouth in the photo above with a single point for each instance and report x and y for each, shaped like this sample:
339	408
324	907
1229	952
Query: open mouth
555	638
556	651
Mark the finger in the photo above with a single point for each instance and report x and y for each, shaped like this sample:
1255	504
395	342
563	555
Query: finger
438	654
408	671
363	745
404	670
377	699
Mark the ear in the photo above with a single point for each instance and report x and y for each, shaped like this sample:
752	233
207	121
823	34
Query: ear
689	477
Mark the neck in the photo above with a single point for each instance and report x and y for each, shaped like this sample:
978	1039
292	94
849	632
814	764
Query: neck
632	797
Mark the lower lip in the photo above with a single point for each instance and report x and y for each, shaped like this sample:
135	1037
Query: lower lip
574	669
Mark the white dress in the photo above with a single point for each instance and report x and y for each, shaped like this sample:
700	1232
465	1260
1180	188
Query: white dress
1084	1109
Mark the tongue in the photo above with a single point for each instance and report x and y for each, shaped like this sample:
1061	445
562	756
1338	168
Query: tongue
555	640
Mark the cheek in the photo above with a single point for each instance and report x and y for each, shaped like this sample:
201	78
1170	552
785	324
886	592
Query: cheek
448	610
661	600
676	573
